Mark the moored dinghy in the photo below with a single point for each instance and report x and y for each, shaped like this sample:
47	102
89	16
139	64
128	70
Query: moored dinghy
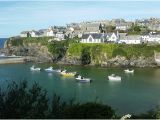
58	71
34	69
113	77
82	79
68	74
50	69
128	71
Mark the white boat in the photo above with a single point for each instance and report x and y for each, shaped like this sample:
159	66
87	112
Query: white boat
58	71
82	79
34	69
50	69
113	77
128	71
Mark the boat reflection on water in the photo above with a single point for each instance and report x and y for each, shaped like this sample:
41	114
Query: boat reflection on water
50	75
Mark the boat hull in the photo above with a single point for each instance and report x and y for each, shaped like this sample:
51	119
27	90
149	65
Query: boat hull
35	69
129	71
111	78
83	80
68	74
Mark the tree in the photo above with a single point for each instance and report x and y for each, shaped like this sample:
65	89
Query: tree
89	111
85	57
137	28
21	102
110	28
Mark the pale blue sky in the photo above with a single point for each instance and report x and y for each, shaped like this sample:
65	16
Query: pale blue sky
18	16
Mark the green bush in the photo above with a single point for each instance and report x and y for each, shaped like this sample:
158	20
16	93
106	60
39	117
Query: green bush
89	111
22	102
85	57
112	50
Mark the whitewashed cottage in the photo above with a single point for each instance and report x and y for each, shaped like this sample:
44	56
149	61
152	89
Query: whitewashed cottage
112	37
152	37
59	36
25	34
51	32
93	38
34	33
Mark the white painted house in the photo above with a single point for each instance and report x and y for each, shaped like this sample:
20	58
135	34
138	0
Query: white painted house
34	33
112	37
50	33
92	38
131	39
25	34
150	38
60	36
123	26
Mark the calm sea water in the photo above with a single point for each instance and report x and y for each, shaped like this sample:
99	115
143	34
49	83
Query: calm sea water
2	40
136	93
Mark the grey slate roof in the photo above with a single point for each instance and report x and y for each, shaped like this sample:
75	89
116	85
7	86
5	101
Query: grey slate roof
94	35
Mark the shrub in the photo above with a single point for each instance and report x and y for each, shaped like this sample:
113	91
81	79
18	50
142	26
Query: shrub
85	57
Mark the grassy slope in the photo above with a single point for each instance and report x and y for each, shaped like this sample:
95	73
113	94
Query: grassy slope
20	41
95	50
113	50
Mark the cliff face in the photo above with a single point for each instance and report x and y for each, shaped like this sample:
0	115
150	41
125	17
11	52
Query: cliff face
36	51
107	55
118	61
111	55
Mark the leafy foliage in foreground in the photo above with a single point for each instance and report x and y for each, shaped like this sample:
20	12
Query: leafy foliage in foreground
19	101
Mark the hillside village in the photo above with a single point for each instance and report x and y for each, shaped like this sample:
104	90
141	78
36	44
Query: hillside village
104	31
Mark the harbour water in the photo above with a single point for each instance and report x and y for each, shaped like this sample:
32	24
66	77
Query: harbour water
136	93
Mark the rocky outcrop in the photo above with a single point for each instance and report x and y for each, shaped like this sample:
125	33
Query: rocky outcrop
132	62
35	52
39	53
118	61
70	60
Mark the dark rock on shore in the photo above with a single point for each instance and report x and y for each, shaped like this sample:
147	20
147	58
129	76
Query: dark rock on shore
118	61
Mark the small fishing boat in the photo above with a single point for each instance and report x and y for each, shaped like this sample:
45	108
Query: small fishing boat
58	71
128	71
34	69
68	74
50	69
82	79
113	77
